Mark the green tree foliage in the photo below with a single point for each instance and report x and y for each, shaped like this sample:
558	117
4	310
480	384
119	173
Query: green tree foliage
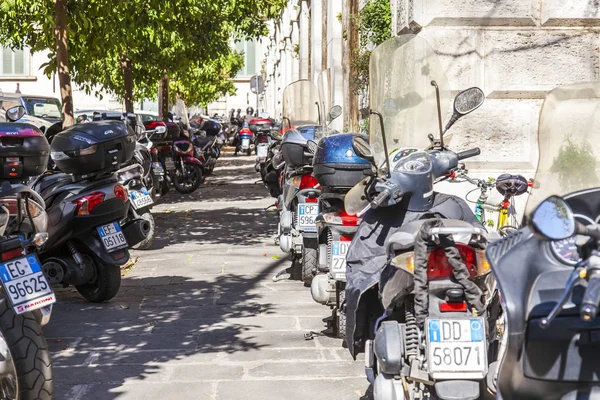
575	165
189	40
374	28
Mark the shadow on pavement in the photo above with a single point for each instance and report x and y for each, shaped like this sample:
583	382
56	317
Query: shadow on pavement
228	226
153	321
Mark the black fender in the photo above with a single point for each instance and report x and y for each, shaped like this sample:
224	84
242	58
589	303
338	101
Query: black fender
93	243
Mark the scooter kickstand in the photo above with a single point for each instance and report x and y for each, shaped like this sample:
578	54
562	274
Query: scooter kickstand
278	276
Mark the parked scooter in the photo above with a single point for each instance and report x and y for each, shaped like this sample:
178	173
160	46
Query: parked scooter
26	297
245	143
420	298
85	204
299	202
548	272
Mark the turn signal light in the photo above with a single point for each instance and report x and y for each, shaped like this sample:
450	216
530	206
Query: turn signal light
86	204
121	192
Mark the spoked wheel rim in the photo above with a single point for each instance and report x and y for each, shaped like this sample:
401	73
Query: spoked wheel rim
187	182
9	382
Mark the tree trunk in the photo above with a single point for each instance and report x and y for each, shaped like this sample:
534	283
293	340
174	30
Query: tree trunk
350	48
62	60
163	97
127	82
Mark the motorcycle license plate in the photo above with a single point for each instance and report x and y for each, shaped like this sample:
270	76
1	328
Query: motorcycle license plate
338	259
169	164
456	346
245	144
307	213
25	283
262	150
140	198
157	168
112	237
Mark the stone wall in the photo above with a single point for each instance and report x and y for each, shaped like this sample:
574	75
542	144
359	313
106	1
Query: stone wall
516	51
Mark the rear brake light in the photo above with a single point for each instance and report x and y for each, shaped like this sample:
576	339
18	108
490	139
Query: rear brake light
14	253
86	204
308	182
311	199
153	151
349	219
121	193
453	307
345	238
437	263
439	268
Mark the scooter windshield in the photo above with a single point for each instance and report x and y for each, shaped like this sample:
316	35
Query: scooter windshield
325	101
569	142
401	73
301	105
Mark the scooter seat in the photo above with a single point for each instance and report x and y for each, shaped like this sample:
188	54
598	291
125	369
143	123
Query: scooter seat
48	186
204	142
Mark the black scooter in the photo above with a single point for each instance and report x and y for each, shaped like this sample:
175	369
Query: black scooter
87	244
549	271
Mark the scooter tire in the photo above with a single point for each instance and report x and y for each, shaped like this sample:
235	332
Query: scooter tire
340	315
105	286
249	152
147	243
194	186
30	353
309	265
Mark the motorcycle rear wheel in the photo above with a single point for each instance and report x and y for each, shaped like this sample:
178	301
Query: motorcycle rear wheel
310	260
105	286
192	182
30	356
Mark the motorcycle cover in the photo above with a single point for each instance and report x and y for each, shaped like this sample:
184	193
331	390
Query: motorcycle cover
367	256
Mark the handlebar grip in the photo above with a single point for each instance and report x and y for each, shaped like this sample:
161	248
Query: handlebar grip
381	197
468	153
591	298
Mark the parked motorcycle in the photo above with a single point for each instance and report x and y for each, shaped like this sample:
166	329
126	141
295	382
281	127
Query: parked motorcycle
338	169
549	271
26	297
299	202
420	298
176	153
85	204
245	142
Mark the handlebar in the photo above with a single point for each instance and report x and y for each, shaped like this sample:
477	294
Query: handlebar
381	197
591	298
468	153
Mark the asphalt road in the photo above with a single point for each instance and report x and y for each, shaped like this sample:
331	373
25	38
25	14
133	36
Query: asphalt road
199	316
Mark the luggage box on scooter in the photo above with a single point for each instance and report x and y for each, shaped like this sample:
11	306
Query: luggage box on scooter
260	124
24	151
336	164
94	147
294	147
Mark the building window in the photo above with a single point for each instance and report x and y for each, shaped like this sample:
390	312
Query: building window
14	62
249	50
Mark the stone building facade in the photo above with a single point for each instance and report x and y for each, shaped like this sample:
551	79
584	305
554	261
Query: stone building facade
515	50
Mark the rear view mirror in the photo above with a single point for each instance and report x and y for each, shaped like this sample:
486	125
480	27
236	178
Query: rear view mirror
466	102
553	219
362	149
14	114
312	146
334	113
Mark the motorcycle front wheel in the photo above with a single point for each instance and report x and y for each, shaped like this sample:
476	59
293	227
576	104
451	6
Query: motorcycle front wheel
191	181
27	371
